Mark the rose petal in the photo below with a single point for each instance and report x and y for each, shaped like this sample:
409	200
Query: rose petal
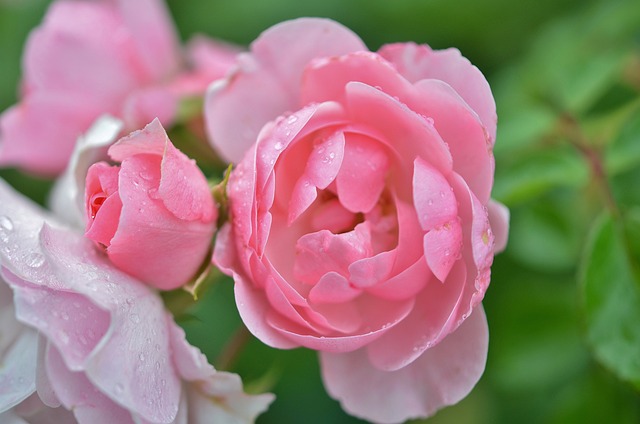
499	220
60	122
322	168
322	252
333	288
441	376
78	394
417	62
75	51
18	370
326	78
374	109
268	80
70	187
431	320
154	35
253	307
460	127
443	247
433	197
363	174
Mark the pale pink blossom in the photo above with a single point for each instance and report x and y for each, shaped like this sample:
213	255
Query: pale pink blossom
361	222
94	341
154	212
89	58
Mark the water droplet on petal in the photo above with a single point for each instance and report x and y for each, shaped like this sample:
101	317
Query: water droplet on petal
135	318
6	223
278	145
35	260
292	119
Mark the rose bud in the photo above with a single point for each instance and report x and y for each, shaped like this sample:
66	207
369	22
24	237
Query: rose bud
153	213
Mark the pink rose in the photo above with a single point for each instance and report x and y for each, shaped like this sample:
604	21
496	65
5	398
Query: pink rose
89	58
91	344
362	224
153	213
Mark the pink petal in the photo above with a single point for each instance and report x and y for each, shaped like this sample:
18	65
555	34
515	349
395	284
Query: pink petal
430	321
269	81
402	130
151	140
368	272
322	168
56	267
443	247
144	105
75	51
333	288
405	285
103	205
147	254
499	220
363	174
36	412
154	36
253	307
61	316
461	129
212	59
44	148
477	252
78	394
327	77
433	197
417	62
322	252
306	39
346	343
70	187
226	108
332	216
441	376
184	189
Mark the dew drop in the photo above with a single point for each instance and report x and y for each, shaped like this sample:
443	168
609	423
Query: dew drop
135	318
119	389
292	119
145	175
35	260
278	145
64	337
6	223
430	202
141	357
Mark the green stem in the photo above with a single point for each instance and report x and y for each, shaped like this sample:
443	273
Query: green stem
233	348
571	129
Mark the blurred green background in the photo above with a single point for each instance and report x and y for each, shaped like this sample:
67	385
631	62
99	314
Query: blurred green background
564	303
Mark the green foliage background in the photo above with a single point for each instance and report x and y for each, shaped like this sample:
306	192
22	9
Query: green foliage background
564	301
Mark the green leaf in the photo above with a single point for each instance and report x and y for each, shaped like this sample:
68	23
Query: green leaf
548	235
612	301
531	174
624	153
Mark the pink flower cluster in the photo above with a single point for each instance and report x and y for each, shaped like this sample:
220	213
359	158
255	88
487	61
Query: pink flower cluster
359	221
